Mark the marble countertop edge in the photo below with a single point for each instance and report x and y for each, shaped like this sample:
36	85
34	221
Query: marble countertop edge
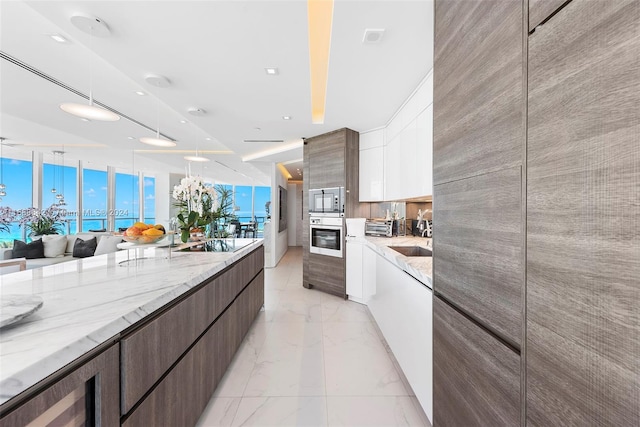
420	268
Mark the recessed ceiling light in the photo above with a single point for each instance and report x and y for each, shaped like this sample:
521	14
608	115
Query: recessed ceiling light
257	129
271	71
130	137
84	119
373	35
198	112
141	93
183	121
58	38
286	117
207	139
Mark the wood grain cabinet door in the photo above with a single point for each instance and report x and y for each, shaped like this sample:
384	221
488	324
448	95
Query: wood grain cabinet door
478	91
477	263
583	217
327	160
476	378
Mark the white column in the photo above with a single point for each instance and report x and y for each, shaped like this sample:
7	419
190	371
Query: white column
141	196
79	180
36	176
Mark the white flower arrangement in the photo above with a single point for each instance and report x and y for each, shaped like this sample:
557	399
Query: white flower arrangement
196	195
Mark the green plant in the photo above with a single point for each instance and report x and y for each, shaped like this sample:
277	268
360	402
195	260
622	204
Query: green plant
43	222
186	224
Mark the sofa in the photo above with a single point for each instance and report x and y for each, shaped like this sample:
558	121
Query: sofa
59	249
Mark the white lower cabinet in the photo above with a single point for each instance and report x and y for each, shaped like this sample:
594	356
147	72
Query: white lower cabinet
402	308
354	271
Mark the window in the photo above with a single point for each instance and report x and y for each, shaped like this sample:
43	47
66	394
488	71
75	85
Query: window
243	203
127	208
63	179
149	200
17	176
94	199
262	196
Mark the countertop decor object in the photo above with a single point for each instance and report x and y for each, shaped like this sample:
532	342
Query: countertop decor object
16	307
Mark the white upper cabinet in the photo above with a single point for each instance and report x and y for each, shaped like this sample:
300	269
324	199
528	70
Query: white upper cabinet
372	166
396	162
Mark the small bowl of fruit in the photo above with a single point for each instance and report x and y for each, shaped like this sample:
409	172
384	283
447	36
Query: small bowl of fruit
142	234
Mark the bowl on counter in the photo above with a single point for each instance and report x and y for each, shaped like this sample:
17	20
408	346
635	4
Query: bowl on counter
143	240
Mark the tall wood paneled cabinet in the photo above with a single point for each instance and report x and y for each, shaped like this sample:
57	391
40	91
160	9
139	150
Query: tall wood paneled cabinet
478	261
330	160
537	206
583	217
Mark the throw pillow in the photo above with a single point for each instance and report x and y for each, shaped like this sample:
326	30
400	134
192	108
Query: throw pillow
108	244
31	250
84	248
54	245
71	241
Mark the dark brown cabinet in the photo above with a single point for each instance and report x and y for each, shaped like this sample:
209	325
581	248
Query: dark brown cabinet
172	364
88	395
182	395
583	217
477	378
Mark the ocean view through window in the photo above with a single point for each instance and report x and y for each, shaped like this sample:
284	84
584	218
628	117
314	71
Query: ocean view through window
18	177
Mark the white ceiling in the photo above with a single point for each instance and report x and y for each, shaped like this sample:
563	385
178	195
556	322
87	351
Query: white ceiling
214	53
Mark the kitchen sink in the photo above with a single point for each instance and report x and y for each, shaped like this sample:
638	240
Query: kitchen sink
411	250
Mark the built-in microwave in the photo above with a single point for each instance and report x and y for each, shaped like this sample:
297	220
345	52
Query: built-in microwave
326	201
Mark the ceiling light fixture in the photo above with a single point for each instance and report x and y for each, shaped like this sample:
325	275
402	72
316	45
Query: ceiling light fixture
96	27
197	157
198	112
372	36
320	18
141	93
286	117
58	38
271	71
159	82
183	121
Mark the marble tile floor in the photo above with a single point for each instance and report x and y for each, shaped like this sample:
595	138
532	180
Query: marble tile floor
311	359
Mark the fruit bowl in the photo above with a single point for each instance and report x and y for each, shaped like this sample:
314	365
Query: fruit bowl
143	240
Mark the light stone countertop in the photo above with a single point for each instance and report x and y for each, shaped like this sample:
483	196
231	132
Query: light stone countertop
419	268
90	301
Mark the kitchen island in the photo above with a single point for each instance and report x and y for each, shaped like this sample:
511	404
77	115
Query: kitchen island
145	325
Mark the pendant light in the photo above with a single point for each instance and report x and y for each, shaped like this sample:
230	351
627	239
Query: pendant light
3	188
94	27
157	81
197	157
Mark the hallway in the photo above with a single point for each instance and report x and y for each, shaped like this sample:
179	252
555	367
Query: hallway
311	359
